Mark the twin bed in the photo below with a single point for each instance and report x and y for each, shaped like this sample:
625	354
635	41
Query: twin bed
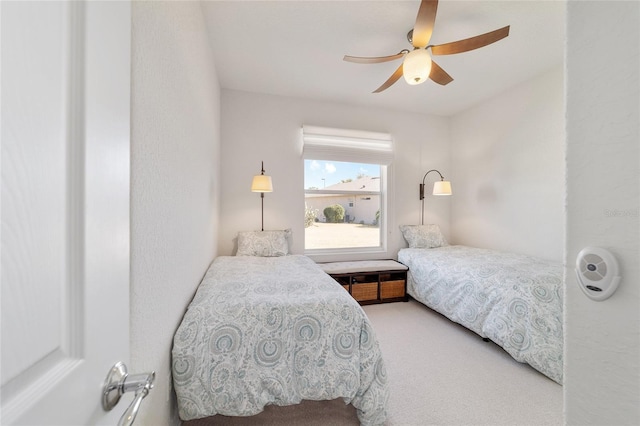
276	330
511	299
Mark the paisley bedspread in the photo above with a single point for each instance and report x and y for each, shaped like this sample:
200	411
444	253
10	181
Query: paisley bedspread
275	330
514	300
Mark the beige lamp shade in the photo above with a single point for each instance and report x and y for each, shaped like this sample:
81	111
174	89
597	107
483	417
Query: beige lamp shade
442	187
261	183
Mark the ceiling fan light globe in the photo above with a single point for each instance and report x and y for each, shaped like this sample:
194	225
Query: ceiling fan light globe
416	66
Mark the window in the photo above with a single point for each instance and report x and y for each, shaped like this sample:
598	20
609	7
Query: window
345	184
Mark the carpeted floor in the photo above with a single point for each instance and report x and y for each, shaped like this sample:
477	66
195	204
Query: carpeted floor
440	374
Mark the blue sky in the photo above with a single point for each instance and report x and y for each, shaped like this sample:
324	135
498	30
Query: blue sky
334	171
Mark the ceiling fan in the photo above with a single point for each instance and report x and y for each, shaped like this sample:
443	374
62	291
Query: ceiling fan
417	65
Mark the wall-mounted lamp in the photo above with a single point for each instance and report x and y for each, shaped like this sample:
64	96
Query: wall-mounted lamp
262	183
441	187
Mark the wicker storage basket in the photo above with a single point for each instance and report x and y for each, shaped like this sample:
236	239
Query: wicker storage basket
391	289
364	291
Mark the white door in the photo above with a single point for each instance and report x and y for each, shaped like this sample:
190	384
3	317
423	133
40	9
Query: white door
65	84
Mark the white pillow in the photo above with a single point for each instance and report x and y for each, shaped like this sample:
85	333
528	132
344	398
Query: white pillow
423	236
263	243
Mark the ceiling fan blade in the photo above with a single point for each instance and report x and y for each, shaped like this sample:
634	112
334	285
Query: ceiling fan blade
439	75
374	60
423	27
394	77
470	43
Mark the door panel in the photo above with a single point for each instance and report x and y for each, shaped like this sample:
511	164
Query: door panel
33	195
65	208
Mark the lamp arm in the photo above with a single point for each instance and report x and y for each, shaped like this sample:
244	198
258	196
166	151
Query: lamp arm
262	197
432	170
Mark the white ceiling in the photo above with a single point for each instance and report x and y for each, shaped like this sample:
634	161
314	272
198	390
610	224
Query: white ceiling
295	48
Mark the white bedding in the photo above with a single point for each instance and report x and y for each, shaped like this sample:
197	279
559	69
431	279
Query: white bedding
514	300
275	330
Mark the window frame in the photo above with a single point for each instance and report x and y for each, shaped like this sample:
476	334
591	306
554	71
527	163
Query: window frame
353	146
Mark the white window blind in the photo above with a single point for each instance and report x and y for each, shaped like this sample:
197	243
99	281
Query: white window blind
324	143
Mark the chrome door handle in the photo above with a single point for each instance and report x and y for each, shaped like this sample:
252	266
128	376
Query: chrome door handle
118	382
131	412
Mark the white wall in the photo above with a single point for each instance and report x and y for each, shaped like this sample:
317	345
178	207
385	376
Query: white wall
602	339
175	142
508	170
259	127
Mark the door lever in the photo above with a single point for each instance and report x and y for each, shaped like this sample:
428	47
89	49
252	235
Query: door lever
118	382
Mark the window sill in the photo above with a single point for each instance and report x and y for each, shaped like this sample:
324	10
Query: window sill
351	254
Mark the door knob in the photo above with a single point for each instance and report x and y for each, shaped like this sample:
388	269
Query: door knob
118	382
